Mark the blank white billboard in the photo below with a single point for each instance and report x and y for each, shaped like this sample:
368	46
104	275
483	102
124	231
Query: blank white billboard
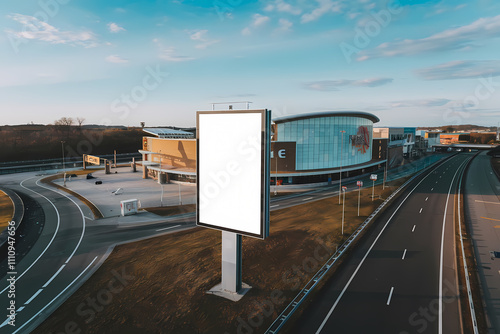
233	171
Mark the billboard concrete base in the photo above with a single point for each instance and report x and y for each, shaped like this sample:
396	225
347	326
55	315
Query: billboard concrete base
234	296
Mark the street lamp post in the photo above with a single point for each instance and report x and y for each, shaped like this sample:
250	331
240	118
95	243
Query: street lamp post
63	164
276	175
341	149
343	209
385	174
62	147
159	180
180	196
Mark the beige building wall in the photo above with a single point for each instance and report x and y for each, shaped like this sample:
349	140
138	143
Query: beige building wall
174	152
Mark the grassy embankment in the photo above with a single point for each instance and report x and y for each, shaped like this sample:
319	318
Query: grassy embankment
6	210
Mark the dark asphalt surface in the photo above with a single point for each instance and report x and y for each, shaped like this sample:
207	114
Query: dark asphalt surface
391	282
482	213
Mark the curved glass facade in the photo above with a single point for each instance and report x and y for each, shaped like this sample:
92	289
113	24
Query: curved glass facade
319	141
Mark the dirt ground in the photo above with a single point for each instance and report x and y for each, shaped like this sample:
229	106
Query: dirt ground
6	210
164	280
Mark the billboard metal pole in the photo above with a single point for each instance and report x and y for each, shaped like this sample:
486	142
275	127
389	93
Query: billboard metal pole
231	262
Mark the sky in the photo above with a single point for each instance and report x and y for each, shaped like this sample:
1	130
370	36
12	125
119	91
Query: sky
409	62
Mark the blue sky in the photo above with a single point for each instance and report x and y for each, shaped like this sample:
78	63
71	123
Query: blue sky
412	63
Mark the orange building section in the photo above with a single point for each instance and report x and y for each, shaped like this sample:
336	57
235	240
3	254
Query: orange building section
179	153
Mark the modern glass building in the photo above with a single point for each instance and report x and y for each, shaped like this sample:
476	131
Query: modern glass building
328	139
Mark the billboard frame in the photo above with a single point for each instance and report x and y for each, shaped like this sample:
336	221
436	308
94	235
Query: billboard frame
265	172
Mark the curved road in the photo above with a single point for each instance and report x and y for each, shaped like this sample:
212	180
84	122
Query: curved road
63	257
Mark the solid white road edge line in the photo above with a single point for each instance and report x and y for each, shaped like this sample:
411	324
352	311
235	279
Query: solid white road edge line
67	287
167	228
441	257
33	297
81	212
368	252
390	296
51	240
54	276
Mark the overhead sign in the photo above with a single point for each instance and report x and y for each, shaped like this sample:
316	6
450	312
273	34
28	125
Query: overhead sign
233	151
93	160
360	183
373	177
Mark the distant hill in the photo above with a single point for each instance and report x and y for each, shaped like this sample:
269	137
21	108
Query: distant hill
459	128
34	142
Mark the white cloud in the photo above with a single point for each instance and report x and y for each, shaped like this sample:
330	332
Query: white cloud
324	6
169	53
451	39
462	69
282	6
115	28
34	29
285	26
434	102
200	36
116	59
246	31
333	85
258	21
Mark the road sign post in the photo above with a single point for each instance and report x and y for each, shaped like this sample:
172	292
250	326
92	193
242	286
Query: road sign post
360	184
373	177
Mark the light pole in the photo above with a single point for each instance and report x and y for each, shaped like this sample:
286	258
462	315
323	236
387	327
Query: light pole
63	165
360	184
343	209
62	147
161	184
385	174
276	175
341	149
180	197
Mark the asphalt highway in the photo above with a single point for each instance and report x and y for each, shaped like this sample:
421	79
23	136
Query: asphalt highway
482	212
71	246
402	277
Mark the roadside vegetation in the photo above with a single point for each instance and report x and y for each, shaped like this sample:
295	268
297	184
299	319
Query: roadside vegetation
34	142
6	210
